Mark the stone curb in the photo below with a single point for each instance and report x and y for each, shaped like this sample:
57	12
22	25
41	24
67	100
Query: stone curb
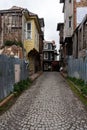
6	100
65	76
78	89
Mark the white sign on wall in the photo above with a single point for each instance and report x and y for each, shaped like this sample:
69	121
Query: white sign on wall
81	12
78	0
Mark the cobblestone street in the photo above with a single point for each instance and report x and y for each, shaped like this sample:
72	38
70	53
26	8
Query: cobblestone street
48	105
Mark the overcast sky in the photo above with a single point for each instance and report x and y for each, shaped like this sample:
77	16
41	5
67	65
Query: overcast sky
50	10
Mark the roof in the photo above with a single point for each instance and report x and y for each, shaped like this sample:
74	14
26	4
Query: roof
50	42
16	7
32	14
41	20
62	1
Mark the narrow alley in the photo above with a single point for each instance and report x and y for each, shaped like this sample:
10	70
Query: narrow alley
48	105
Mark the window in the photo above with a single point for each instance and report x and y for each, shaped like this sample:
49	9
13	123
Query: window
70	21
46	55
9	20
50	46
69	1
14	20
45	46
28	31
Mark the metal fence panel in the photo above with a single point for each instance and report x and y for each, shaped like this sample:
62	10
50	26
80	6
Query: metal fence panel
7	73
77	68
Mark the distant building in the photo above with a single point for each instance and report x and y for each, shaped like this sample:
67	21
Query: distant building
49	55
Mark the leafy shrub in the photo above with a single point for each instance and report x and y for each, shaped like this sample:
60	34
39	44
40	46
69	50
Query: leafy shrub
84	90
80	84
77	81
10	43
22	85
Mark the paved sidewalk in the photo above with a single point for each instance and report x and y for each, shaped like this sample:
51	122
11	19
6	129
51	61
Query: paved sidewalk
48	104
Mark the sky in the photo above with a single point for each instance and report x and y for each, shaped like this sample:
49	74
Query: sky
50	10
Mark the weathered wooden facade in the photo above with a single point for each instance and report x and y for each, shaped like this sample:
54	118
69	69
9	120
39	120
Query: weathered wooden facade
11	25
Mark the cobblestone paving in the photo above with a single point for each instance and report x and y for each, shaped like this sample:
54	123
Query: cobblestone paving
48	105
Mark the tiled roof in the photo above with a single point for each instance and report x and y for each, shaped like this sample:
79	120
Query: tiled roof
16	7
12	9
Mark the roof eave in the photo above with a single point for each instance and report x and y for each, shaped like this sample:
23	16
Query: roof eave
62	1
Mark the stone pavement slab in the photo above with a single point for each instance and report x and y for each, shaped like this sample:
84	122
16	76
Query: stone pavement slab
48	105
